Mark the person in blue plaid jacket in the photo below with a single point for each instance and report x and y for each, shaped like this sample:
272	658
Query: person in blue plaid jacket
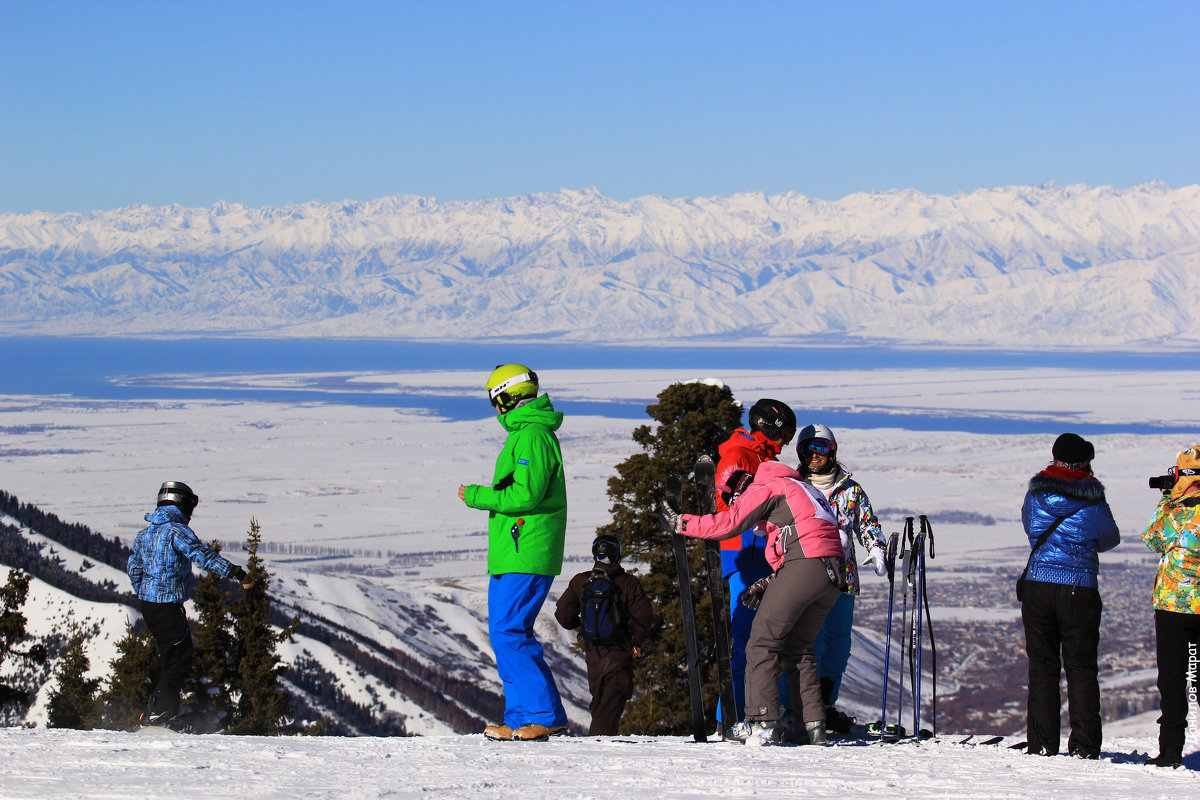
160	570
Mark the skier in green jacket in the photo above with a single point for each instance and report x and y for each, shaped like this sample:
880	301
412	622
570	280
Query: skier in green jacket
527	524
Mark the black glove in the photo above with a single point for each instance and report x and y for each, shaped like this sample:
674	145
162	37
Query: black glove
669	517
241	576
752	597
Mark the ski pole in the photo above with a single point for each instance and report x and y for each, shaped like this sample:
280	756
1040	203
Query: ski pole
905	552
928	530
890	560
915	653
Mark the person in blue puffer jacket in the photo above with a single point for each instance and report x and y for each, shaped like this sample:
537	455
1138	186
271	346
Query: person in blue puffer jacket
1061	607
160	570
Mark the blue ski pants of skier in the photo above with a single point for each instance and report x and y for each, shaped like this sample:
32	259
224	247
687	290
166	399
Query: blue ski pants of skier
742	568
530	695
832	646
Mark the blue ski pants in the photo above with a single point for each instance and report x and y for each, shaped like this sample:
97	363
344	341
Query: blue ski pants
742	568
530	694
832	646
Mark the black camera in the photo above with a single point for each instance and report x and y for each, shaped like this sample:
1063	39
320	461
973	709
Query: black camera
1165	483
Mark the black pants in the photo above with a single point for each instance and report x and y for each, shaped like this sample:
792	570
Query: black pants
168	623
610	679
1178	639
1062	633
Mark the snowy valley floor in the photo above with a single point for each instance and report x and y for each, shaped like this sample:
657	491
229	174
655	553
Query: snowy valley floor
52	764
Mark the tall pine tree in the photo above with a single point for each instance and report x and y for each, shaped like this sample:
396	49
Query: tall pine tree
261	701
692	419
73	700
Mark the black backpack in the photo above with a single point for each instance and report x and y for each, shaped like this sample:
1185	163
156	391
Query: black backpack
601	614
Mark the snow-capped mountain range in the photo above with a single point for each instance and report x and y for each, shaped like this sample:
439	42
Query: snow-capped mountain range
1022	266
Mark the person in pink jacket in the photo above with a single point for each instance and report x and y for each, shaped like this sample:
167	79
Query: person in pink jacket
805	550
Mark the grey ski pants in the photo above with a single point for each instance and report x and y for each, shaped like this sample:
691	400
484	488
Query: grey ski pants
793	608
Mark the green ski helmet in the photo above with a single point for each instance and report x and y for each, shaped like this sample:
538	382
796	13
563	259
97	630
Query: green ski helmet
510	385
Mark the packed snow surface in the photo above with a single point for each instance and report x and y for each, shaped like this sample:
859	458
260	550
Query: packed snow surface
104	764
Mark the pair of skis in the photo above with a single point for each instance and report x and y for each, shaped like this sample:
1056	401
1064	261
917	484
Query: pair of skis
916	624
704	475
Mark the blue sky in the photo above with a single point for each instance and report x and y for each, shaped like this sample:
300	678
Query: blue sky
107	104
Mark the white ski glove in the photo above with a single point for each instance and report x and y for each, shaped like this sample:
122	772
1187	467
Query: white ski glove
876	558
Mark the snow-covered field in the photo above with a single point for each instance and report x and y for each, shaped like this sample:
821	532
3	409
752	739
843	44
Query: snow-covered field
380	478
48	765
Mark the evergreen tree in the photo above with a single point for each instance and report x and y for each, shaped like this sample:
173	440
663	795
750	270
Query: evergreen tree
209	702
134	671
261	700
12	632
693	419
73	700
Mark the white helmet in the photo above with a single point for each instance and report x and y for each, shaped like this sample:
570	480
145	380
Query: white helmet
811	432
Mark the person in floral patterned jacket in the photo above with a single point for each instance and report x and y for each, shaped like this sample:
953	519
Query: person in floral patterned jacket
1175	533
817	450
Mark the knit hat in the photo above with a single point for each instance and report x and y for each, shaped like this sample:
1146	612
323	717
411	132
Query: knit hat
1188	459
1072	449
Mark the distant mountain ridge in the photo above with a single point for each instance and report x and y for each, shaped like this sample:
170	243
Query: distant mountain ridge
1023	266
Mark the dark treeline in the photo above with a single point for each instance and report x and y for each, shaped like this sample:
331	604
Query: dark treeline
321	688
18	552
73	536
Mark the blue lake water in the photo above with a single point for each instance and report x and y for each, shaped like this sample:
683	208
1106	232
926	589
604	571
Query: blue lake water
87	368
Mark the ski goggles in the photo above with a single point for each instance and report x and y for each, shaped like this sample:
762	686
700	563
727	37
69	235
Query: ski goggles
818	446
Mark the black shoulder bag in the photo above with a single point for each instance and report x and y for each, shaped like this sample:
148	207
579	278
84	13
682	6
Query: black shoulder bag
1041	541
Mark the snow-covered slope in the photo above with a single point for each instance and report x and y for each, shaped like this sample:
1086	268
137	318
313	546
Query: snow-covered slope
420	652
49	765
1028	266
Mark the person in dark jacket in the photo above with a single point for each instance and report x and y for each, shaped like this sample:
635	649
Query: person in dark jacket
160	570
609	666
1061	604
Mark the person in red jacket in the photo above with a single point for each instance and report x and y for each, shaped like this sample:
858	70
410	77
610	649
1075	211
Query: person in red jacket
772	426
805	552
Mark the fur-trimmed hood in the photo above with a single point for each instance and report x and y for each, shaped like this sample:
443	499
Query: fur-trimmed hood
1070	554
1074	484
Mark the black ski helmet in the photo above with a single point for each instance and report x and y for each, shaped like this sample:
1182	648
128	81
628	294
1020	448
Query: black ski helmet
607	549
180	495
774	419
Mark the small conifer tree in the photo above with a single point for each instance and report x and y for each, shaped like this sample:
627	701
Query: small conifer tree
132	676
261	701
692	419
73	700
209	700
12	632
